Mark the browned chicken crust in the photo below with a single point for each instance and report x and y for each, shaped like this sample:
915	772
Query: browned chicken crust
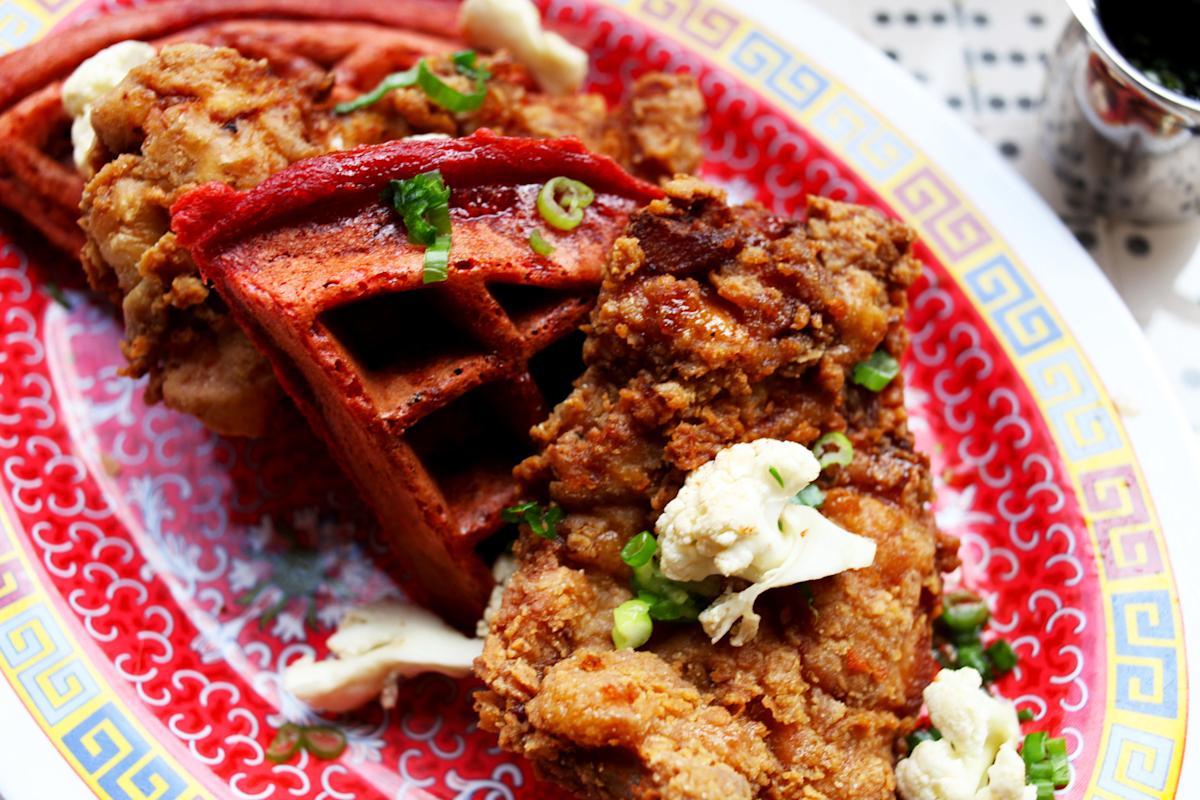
717	325
196	114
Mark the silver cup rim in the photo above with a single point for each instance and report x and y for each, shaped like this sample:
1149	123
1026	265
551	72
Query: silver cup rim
1087	13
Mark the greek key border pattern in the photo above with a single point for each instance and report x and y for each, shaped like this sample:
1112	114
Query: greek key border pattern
1145	716
69	698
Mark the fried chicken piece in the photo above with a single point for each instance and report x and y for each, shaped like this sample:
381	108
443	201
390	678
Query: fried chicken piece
718	325
197	114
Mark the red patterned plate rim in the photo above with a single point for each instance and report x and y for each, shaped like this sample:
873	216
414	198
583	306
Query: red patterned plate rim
151	586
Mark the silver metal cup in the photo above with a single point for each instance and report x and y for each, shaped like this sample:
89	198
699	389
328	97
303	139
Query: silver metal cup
1119	143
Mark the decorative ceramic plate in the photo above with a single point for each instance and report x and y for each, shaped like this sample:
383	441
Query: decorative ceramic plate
155	578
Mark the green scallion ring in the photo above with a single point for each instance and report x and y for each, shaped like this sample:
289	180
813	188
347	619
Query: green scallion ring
437	260
833	448
965	617
810	495
324	742
1002	656
539	243
632	625
1025	715
877	371
1034	748
922	735
562	200
285	744
445	95
638	551
972	656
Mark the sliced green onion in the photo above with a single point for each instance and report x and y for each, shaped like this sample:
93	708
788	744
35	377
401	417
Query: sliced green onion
833	448
397	80
437	260
775	474
1034	750
464	64
423	201
922	735
810	495
517	513
972	656
877	371
964	617
1040	772
547	526
1002	657
638	551
562	200
445	95
1045	790
542	522
437	90
539	243
324	741
1025	715
632	625
285	744
1060	766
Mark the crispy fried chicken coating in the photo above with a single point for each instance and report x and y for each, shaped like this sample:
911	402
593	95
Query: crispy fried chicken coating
717	325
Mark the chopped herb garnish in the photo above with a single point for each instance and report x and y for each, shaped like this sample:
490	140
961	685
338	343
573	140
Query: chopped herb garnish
1002	657
437	90
542	522
632	625
423	202
775	474
1047	765
667	600
1025	715
965	617
562	200
810	495
922	735
287	741
539	243
833	448
638	551
324	742
959	638
56	294
877	371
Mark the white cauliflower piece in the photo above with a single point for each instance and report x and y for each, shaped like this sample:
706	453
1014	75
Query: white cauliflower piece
91	80
974	759
374	646
514	25
735	517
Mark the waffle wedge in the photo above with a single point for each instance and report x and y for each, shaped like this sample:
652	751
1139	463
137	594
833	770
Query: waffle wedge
424	392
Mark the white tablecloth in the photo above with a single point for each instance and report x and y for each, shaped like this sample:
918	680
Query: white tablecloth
987	59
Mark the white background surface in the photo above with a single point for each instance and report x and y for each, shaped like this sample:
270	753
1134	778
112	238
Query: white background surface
986	60
1152	413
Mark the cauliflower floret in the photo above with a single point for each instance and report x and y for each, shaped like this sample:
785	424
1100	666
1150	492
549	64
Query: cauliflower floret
514	25
91	80
374	646
976	758
735	516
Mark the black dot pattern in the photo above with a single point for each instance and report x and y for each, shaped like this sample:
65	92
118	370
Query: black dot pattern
1137	244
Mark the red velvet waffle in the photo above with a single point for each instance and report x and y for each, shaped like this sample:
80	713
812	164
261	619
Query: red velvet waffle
358	40
425	393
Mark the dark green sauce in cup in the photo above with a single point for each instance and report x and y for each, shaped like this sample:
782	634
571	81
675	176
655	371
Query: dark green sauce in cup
1161	38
